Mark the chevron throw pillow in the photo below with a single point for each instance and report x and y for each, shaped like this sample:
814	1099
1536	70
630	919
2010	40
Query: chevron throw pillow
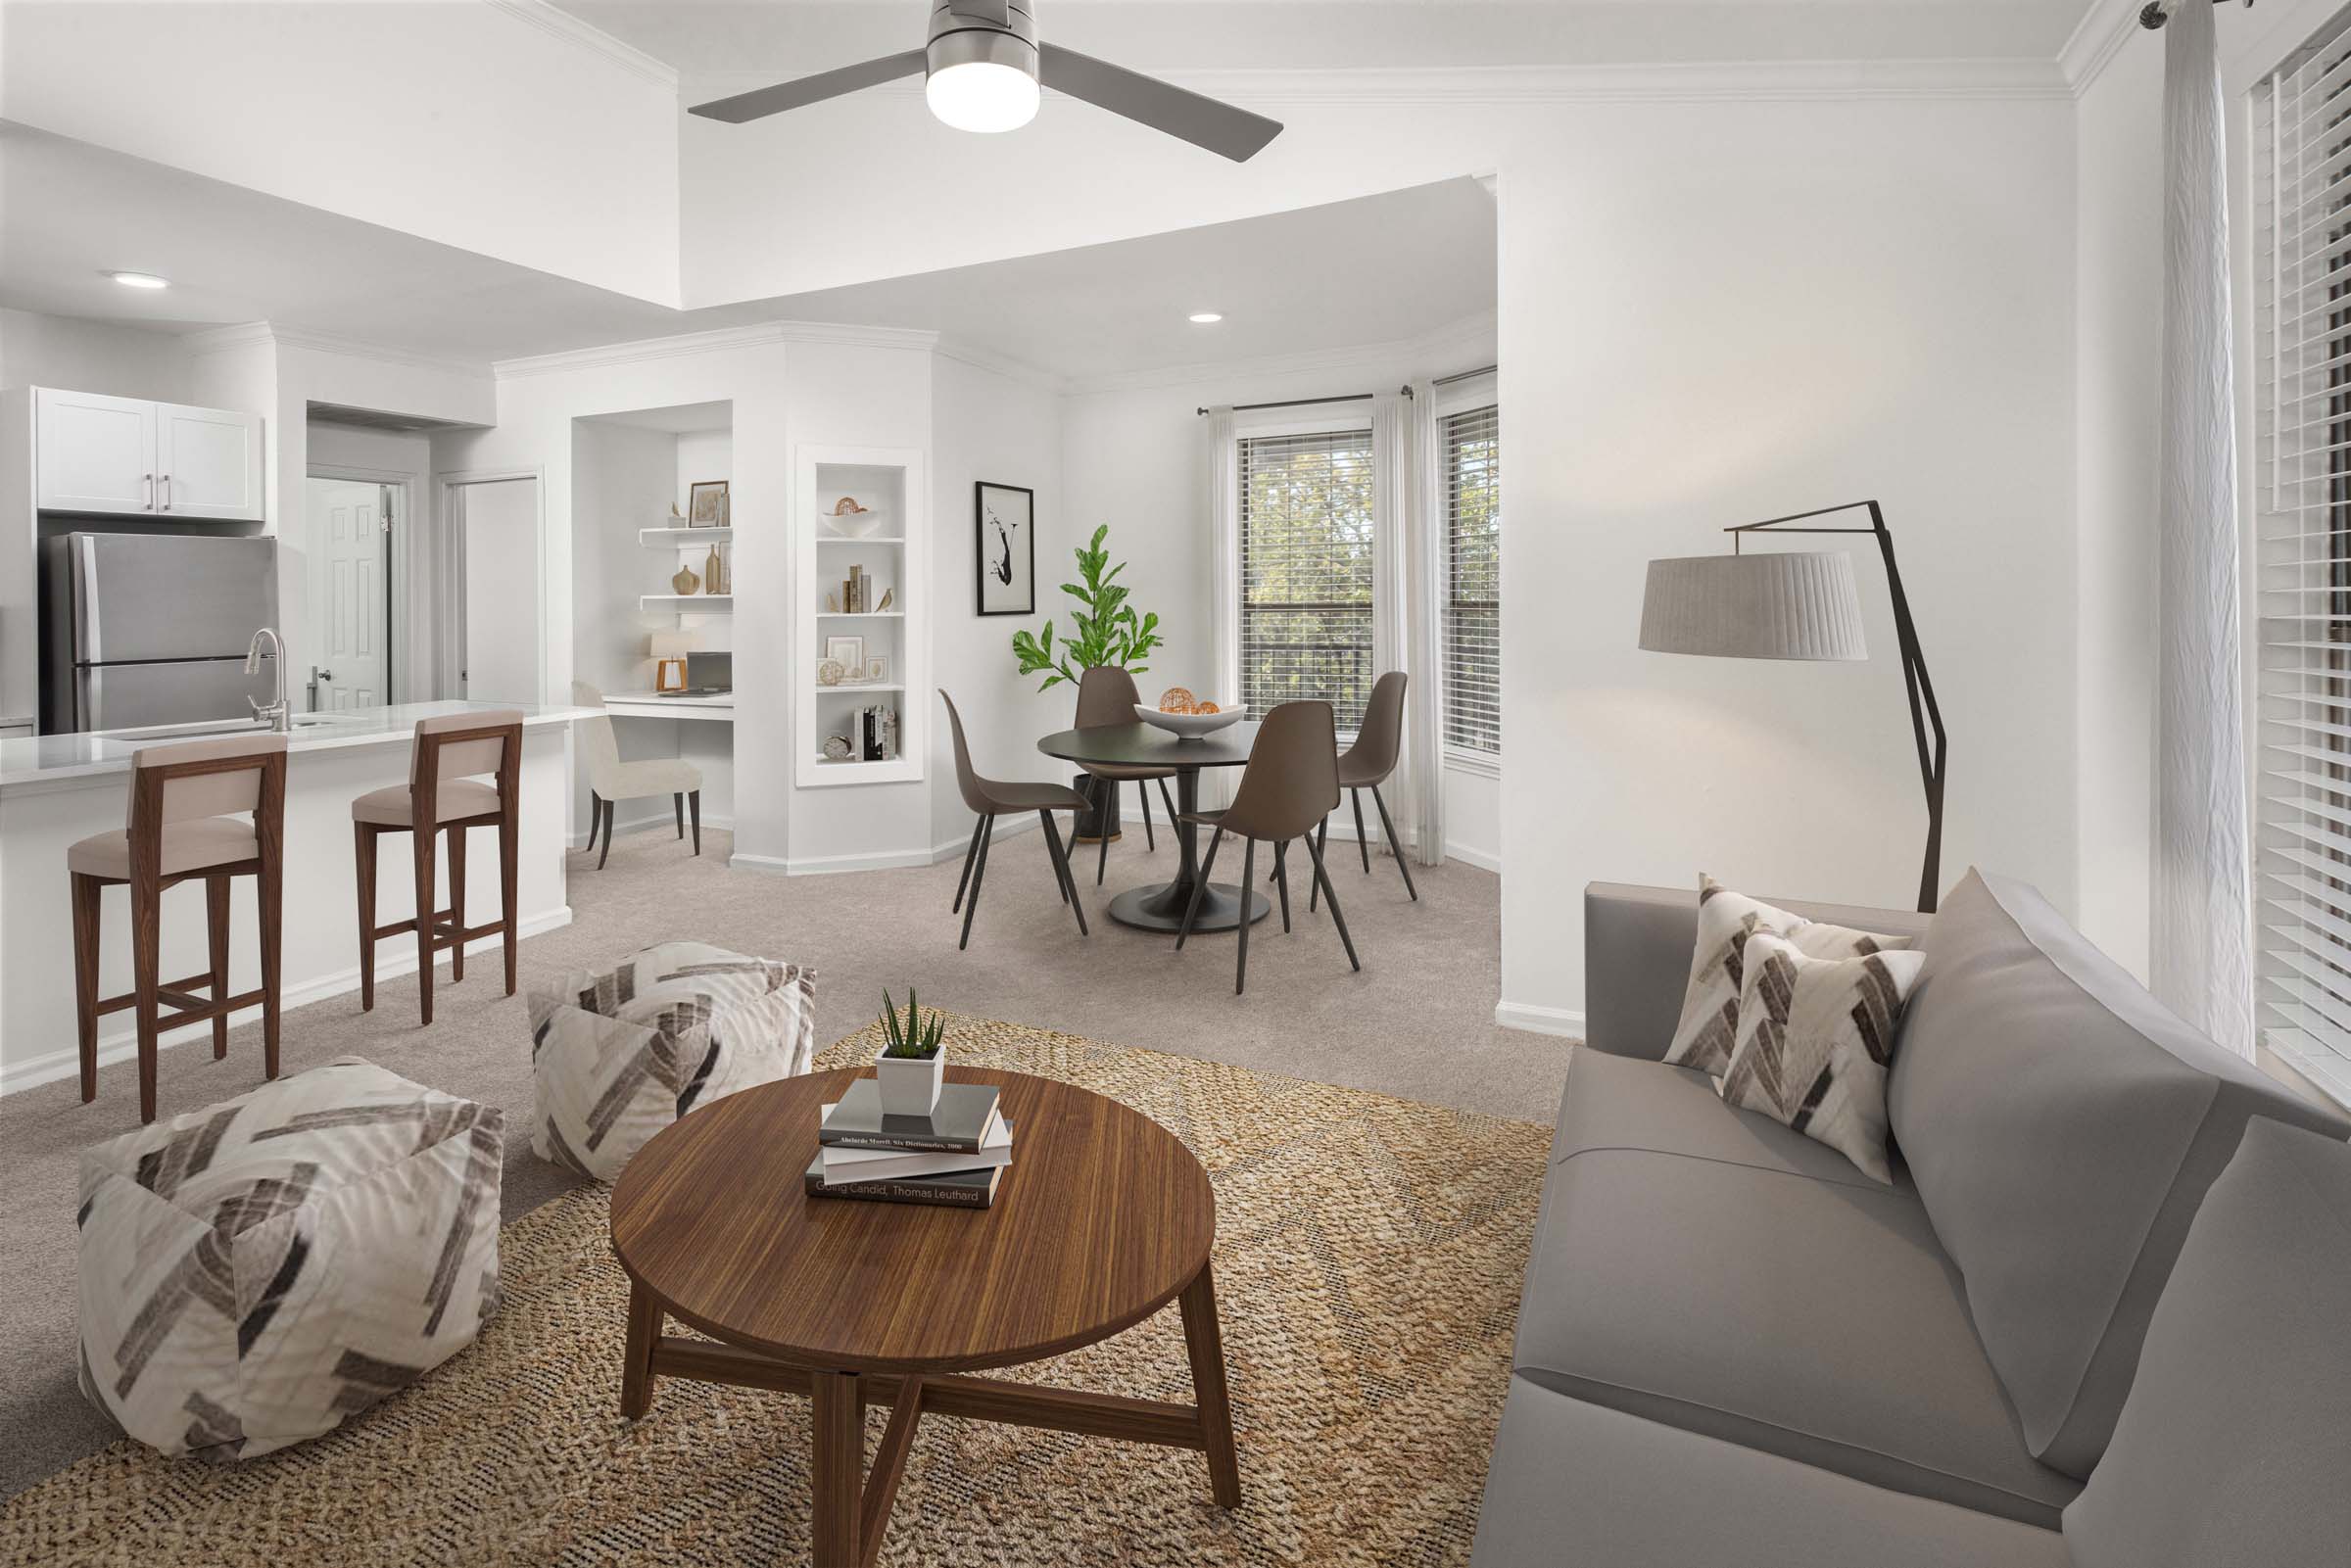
1816	1036
1709	1024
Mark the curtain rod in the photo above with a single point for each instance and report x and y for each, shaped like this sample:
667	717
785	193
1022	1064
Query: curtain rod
1356	396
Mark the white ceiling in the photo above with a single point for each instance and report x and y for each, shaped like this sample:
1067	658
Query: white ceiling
1379	269
788	37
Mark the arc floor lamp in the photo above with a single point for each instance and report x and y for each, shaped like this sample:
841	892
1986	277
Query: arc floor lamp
1798	605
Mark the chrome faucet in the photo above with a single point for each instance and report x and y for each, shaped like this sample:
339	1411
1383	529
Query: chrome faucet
281	718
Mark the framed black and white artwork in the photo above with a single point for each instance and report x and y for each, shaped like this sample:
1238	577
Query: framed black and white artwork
1004	521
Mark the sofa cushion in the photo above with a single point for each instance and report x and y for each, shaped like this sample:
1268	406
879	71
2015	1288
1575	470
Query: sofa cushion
1813	1319
1712	1007
1617	1102
2233	1446
2062	1126
1574	1484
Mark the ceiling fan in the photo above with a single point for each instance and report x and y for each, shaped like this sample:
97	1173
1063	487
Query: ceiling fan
982	67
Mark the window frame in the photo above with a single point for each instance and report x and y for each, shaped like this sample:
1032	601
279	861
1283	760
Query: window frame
1462	397
1275	424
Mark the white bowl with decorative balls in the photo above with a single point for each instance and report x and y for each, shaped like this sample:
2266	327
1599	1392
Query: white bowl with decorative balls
1191	726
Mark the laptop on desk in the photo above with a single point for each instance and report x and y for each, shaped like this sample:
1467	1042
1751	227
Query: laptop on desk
707	674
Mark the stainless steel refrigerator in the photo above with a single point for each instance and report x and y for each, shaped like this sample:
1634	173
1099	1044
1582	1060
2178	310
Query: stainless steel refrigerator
151	628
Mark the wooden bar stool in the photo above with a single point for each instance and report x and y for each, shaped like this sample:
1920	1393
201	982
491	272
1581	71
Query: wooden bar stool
446	793
184	802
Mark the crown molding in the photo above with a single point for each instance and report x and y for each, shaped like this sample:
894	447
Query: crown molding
716	341
257	334
1002	364
559	24
2095	40
222	340
1470	340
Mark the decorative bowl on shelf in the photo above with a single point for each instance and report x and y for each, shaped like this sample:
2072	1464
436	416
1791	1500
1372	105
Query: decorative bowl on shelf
1190	725
853	525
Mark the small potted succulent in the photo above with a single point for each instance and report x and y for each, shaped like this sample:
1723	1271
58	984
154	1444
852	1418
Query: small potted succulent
912	1059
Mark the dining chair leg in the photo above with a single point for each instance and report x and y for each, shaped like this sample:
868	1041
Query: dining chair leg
86	891
1191	911
1360	842
1240	965
693	810
215	931
1061	871
363	846
1324	877
1106	801
677	803
609	806
979	875
971	853
422	851
1282	879
1142	792
1388	825
146	943
457	897
1319	839
509	888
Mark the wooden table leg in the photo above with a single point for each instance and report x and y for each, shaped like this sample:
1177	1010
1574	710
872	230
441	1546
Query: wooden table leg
836	1469
637	1363
1206	1342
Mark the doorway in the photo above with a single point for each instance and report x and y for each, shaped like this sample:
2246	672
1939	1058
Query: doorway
350	526
493	536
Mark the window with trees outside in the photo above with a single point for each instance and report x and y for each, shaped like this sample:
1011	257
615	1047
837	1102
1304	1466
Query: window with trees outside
1473	446
1306	537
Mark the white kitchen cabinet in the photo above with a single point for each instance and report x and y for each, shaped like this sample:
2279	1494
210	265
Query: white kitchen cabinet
127	455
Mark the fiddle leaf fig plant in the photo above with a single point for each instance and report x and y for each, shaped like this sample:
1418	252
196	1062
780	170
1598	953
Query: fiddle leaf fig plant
1106	631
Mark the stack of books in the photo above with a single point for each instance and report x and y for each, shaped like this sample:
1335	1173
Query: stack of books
955	1155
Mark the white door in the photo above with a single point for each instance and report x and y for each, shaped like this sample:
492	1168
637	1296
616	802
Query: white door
208	462
345	521
94	454
500	530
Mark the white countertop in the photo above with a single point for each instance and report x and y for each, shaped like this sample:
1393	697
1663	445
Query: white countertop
54	758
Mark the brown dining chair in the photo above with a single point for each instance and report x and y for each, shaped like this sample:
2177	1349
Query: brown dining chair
1289	788
450	757
991	798
185	801
1106	695
1366	765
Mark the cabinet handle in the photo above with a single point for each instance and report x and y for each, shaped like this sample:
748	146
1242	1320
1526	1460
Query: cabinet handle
166	506
149	481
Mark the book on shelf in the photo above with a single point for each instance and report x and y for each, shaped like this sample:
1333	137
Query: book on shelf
962	1189
961	1123
841	1165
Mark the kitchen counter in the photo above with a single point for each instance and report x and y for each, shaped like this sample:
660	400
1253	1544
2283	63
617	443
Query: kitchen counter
56	790
56	758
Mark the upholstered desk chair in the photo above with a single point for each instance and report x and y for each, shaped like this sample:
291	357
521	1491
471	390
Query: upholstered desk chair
611	780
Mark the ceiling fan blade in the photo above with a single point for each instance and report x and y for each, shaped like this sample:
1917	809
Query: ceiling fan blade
760	102
1221	129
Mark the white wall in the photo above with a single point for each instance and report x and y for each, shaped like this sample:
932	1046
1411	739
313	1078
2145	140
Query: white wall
482	126
990	426
49	351
622	480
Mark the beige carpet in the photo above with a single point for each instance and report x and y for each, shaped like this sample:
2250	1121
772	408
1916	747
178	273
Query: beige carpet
1416	1023
1369	1254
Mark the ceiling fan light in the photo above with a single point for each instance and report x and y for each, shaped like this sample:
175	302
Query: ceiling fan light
983	95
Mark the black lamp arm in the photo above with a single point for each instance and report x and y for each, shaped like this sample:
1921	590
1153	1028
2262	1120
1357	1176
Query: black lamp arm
1924	714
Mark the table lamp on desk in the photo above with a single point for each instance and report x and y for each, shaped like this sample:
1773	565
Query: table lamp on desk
669	651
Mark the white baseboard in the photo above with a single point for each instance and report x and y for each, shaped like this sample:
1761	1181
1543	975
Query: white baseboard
880	860
1473	857
124	1045
1006	827
1533	1019
623	827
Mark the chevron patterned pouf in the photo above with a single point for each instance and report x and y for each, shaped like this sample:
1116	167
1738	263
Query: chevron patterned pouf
617	1056
252	1274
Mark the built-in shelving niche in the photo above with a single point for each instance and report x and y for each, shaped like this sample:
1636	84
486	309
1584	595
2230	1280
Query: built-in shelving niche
885	548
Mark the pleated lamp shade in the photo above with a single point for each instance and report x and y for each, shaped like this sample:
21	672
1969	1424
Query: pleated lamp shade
1800	605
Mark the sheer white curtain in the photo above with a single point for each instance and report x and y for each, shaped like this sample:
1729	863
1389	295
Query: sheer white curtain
1392	502
2201	938
1223	663
1424	633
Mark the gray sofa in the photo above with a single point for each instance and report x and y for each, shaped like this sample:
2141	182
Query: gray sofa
1734	1347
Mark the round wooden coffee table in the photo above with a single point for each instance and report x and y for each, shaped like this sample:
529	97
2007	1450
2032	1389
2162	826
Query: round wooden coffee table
1102	1219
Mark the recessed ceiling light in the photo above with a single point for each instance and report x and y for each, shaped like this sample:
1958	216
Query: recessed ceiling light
1206	318
140	280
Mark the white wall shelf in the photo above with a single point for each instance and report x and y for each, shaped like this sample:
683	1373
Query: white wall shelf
681	538
851	688
891	484
861	615
879	539
687	604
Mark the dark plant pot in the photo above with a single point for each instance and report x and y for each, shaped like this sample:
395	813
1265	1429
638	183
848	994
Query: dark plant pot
1101	820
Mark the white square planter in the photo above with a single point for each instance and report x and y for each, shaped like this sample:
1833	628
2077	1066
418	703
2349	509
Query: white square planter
909	1086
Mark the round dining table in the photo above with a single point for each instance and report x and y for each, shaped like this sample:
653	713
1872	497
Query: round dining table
1159	906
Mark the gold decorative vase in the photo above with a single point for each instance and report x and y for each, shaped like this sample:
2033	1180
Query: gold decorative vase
685	581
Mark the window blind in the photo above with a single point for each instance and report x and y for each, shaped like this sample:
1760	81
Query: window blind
1306	571
1474	580
2302	560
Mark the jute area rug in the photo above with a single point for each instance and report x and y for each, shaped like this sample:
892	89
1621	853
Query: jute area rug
1369	1254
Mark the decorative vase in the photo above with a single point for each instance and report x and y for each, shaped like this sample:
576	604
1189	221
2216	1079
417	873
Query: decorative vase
684	582
909	1086
714	572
